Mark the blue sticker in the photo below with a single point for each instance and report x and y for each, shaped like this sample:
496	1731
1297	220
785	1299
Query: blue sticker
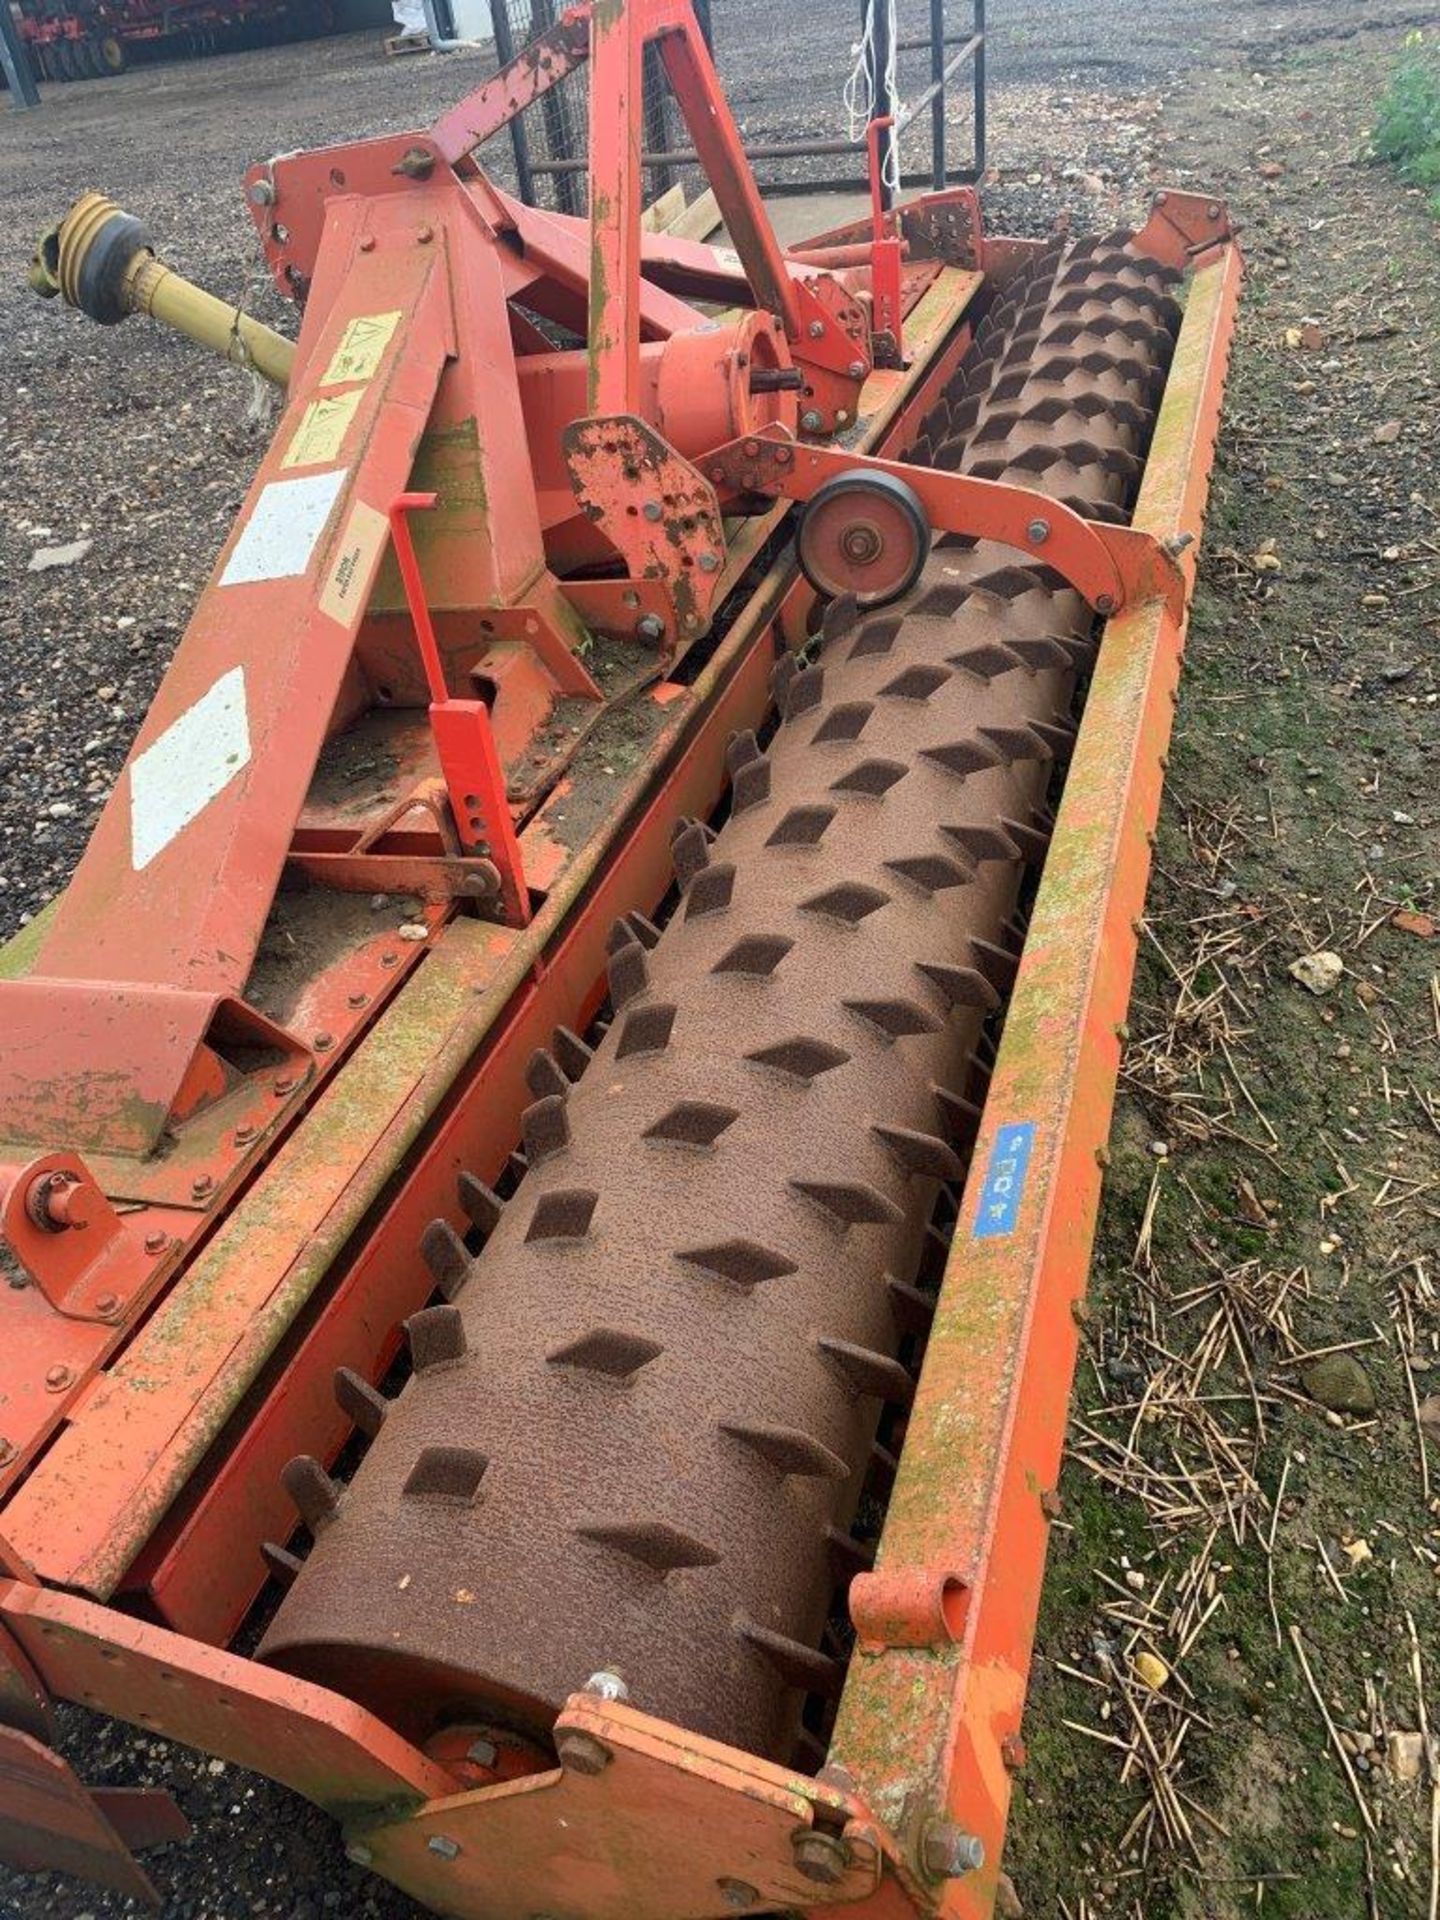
1004	1181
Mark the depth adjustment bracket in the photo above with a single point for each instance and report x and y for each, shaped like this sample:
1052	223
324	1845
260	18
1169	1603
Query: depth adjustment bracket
1112	568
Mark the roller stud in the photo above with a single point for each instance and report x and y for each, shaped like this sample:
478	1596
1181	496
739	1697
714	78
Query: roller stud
868	1372
545	1077
363	1405
436	1336
651	1543
545	1125
788	1450
629	974
483	1206
606	1350
447	1257
572	1053
314	1493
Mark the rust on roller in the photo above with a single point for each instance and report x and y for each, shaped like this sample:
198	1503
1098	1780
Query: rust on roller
637	1428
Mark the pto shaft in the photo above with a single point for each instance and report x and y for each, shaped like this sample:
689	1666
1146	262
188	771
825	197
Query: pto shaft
99	258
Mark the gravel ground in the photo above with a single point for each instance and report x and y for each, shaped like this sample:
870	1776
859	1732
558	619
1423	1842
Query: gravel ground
136	444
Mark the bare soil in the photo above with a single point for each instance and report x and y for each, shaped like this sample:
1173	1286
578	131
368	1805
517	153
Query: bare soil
1211	1502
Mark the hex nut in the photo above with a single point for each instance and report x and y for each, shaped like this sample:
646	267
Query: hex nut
821	1857
581	1752
947	1851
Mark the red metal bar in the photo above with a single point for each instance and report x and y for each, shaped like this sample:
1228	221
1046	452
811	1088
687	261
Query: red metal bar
616	123
464	739
536	69
711	126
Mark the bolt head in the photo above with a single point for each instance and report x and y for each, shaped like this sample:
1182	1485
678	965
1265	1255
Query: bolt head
156	1242
737	1893
201	1185
359	1855
609	1685
1038	532
1105	603
652	510
58	1378
857	369
581	1752
444	1846
262	193
816	329
709	563
811	421
108	1305
650	627
1213	210
323	1042
483	1753
947	1851
821	1857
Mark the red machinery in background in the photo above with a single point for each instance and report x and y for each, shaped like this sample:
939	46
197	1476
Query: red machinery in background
549	1150
88	39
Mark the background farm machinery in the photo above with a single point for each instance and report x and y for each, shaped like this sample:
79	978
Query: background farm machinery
552	1142
87	39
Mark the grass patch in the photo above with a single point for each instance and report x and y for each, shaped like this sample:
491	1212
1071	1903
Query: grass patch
1407	121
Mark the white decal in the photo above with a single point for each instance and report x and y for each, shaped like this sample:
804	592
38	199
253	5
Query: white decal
285	524
178	775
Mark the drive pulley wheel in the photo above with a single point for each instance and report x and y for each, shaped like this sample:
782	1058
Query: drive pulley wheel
863	533
113	58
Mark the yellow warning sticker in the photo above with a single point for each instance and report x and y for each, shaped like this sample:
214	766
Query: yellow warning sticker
361	544
361	349
321	432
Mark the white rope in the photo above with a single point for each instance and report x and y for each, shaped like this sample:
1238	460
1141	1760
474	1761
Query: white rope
861	106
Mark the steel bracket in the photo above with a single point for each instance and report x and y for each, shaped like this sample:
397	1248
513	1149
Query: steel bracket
69	1239
660	514
1110	567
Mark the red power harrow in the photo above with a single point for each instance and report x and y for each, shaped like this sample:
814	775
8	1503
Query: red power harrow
552	1143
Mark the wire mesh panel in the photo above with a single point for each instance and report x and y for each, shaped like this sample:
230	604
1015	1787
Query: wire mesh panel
551	141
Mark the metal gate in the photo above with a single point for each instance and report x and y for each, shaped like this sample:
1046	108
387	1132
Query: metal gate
925	43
